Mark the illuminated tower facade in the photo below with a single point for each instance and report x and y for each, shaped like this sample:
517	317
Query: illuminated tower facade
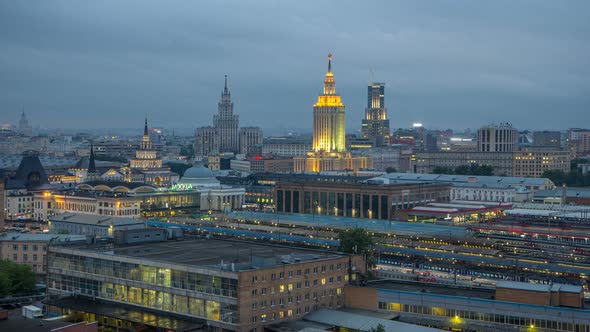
147	166
329	146
329	129
375	125
146	156
227	123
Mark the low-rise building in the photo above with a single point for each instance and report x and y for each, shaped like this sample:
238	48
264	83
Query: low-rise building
558	295
456	211
527	163
476	187
564	195
490	192
286	147
29	178
230	285
389	157
458	308
92	225
260	164
31	249
363	200
48	204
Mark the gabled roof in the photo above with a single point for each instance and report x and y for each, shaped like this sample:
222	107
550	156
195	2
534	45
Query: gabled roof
30	174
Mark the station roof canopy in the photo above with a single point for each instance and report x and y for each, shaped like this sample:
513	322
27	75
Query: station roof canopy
357	322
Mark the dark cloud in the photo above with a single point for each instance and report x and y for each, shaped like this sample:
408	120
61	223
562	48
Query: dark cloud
450	63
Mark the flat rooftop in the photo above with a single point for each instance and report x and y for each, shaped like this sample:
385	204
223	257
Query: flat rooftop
430	288
219	254
338	222
40	237
16	322
94	219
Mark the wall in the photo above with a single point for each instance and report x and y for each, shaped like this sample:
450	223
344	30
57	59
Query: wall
523	296
36	254
361	298
322	287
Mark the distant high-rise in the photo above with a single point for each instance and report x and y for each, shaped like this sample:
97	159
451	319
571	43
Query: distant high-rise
329	135
375	125
224	135
249	137
497	138
329	129
24	127
227	123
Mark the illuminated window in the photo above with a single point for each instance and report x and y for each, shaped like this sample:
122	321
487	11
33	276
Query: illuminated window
323	281
281	288
290	287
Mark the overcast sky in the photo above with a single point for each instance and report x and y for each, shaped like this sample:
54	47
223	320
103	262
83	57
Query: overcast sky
447	64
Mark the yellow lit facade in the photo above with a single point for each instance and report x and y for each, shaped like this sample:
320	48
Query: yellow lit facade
329	117
329	131
146	165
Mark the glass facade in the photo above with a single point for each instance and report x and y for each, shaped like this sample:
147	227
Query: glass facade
145	285
169	200
459	317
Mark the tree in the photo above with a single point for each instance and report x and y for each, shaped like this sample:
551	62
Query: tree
378	328
355	241
16	278
179	168
390	170
573	178
442	170
188	151
481	170
462	170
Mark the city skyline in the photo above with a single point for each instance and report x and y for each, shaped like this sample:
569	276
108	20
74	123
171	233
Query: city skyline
457	66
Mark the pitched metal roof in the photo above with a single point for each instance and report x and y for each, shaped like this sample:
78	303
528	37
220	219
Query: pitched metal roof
30	174
361	322
504	180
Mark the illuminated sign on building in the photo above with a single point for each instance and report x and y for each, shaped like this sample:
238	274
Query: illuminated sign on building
182	187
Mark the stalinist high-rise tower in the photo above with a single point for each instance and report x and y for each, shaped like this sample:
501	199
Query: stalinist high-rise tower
329	129
226	135
329	134
227	123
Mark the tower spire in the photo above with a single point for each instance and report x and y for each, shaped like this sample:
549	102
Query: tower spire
145	128
91	162
329	84
225	90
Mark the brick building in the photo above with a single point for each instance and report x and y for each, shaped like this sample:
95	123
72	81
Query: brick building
229	285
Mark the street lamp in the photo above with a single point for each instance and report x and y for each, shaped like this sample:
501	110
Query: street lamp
315	204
